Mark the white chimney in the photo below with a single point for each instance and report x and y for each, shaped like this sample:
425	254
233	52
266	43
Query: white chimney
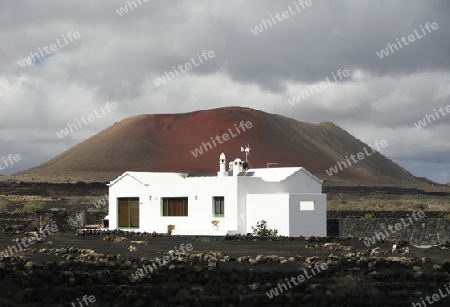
237	166
222	164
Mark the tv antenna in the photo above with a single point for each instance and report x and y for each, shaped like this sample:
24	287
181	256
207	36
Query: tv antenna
247	152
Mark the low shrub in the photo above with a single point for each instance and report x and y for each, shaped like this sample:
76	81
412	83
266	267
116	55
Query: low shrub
368	216
170	228
262	230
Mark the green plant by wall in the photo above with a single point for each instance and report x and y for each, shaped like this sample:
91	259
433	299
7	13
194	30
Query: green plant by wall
262	230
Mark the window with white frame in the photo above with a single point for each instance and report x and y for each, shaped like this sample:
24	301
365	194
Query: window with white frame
306	205
218	206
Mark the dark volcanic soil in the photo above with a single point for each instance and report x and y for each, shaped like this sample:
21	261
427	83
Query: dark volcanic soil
220	272
100	188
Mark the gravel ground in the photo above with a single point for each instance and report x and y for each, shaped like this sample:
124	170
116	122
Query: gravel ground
219	272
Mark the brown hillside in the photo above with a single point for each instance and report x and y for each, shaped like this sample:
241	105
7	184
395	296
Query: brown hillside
163	142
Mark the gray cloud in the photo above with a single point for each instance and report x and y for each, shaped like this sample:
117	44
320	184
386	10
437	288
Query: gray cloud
118	57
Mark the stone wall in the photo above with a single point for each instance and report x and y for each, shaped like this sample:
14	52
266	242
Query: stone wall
215	279
430	229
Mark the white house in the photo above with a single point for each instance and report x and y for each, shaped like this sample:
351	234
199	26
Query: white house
290	199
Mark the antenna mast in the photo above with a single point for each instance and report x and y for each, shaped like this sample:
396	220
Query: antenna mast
247	152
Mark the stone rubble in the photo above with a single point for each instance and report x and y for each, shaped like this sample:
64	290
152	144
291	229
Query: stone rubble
217	279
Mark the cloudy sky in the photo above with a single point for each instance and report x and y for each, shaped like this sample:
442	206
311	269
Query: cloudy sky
89	53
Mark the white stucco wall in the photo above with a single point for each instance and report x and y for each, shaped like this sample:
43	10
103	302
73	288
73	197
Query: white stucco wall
308	223
126	187
247	201
200	210
301	182
273	208
282	212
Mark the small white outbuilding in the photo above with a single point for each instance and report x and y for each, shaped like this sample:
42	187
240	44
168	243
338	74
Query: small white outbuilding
290	199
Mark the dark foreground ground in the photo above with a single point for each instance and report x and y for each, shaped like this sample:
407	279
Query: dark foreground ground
221	272
217	272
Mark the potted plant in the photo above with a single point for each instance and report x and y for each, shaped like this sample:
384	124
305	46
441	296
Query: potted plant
170	228
215	224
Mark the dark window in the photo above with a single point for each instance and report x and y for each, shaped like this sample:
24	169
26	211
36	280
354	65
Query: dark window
218	206
176	206
128	212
